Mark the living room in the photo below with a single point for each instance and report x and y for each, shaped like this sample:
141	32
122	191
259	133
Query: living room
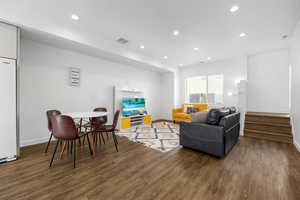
165	100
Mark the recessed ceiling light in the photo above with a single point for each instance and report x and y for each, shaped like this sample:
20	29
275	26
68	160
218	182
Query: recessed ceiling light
176	32
242	34
165	57
180	65
196	48
75	17
142	47
234	8
208	58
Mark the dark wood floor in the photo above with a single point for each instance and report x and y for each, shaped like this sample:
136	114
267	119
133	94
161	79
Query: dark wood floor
254	169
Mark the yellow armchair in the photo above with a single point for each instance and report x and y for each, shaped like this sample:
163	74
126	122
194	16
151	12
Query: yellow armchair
178	114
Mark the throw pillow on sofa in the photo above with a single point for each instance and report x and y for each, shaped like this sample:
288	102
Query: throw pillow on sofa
185	108
213	116
191	109
200	117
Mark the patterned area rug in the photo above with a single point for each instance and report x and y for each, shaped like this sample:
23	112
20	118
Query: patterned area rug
162	136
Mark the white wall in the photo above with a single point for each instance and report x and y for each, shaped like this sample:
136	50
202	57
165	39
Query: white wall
268	82
8	46
232	69
44	85
167	95
295	96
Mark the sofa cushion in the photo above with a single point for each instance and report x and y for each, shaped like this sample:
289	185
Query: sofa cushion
199	117
182	115
224	112
233	110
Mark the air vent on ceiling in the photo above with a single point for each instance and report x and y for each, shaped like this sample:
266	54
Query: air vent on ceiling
122	40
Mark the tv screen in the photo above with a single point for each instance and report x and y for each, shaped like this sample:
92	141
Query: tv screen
133	106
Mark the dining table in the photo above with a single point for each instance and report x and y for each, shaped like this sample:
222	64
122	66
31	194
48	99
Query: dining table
88	116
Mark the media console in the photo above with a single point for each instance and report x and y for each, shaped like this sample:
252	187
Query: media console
130	121
134	120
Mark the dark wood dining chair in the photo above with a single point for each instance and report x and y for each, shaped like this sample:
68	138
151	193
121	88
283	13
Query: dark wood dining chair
100	120
110	128
50	114
64	130
97	122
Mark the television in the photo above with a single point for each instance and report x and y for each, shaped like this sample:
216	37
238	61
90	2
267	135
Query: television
133	106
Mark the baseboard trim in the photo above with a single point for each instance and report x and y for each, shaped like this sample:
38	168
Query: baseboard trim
297	145
33	141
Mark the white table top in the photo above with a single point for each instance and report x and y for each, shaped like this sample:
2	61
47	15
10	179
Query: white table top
80	115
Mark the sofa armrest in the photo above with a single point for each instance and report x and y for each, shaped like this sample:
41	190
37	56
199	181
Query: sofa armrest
230	121
201	131
177	110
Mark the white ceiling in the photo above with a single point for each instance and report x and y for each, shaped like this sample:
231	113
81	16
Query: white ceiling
206	24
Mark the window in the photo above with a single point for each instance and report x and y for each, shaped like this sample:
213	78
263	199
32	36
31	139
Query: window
205	89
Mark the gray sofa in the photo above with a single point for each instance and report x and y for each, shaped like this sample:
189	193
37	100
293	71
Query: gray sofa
217	139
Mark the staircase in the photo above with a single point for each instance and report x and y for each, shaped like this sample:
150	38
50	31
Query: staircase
268	126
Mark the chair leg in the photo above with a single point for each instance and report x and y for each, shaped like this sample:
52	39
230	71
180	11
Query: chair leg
85	132
68	147
107	136
99	137
74	153
88	139
96	138
115	141
63	150
102	137
46	150
79	141
71	151
83	140
115	137
54	153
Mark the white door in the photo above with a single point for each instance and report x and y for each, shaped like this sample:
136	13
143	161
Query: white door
8	136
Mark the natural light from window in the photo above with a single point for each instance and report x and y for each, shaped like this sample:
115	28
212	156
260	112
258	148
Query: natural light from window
205	89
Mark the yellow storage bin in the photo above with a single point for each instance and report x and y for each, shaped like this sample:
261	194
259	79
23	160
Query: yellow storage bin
147	119
125	123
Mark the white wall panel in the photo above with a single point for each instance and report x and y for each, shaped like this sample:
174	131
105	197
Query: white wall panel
8	41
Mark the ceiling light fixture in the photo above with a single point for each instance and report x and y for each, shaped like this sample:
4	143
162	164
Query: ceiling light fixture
196	48
75	17
242	35
176	32
180	65
165	57
234	8
208	58
142	47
